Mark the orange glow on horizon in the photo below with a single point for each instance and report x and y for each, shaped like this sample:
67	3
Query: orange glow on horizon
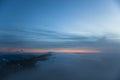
65	50
51	50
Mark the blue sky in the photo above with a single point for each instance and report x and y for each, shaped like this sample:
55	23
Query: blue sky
51	24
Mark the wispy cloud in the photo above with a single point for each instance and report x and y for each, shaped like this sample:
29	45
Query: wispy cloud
80	25
56	40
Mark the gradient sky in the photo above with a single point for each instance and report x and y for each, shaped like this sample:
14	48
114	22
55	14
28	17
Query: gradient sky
60	24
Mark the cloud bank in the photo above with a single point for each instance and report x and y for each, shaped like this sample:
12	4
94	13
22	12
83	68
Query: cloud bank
47	39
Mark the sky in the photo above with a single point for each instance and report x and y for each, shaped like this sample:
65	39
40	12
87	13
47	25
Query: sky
60	24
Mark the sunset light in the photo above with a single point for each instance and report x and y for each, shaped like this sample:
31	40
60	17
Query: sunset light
51	50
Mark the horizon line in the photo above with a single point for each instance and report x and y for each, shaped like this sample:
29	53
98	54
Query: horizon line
51	50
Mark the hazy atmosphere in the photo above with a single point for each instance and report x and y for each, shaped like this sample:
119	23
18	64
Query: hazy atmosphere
59	39
60	24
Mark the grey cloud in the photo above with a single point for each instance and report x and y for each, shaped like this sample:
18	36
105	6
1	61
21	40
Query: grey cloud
45	39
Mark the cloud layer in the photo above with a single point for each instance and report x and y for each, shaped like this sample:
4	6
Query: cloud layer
48	25
46	39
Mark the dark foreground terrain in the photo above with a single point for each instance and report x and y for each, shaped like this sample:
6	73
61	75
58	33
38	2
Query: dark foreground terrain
16	62
61	66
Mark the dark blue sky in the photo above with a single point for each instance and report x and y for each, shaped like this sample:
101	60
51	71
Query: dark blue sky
51	24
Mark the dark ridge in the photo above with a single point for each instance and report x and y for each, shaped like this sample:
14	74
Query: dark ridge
11	63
